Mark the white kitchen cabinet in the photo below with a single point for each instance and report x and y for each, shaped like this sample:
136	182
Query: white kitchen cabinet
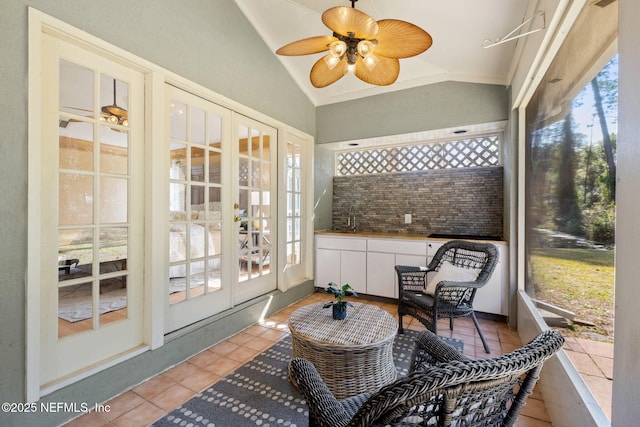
341	260
327	267
493	297
432	248
367	264
382	257
353	270
380	274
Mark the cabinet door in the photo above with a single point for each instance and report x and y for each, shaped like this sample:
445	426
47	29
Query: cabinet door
327	267
353	270
432	248
491	297
381	274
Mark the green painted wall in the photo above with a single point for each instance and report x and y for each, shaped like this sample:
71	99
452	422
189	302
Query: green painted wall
431	107
209	42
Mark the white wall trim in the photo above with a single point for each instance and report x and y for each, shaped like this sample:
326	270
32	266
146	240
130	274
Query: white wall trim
32	310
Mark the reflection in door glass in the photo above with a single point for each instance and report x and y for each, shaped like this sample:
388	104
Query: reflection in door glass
254	204
75	253
75	145
92	181
114	151
112	300
114	246
195	203
113	208
76	199
76	89
75	309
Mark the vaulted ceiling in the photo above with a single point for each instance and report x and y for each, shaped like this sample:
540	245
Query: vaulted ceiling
458	29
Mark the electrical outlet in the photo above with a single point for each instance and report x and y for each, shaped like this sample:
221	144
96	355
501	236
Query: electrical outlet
407	218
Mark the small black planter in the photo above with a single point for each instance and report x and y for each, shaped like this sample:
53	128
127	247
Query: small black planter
339	311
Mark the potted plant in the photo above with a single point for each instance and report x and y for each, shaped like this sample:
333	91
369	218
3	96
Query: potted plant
339	306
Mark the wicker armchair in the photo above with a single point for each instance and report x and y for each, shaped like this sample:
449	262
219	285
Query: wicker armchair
444	388
461	267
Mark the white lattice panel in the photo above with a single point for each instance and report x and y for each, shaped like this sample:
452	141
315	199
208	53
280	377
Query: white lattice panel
473	152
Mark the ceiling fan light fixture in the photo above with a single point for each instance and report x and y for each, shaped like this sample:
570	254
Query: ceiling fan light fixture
366	47
332	61
371	61
338	48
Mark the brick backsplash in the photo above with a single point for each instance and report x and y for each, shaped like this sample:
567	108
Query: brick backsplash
452	201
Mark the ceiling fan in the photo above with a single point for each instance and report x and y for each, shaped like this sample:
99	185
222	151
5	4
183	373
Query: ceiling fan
113	113
360	44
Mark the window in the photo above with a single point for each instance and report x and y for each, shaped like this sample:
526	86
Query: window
294	202
570	215
464	153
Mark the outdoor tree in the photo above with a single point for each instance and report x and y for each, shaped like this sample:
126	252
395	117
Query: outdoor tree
606	136
568	214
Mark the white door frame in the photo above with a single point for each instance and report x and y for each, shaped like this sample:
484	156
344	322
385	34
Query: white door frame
40	24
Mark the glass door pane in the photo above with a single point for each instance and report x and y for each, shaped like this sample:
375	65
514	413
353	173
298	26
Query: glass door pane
93	200
197	129
256	202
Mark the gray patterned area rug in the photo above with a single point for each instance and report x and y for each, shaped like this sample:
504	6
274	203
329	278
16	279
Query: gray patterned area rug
259	393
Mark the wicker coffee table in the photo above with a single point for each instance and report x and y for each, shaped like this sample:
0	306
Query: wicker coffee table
353	355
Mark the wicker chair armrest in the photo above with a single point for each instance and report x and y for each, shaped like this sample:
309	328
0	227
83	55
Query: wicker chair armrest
324	409
429	350
415	276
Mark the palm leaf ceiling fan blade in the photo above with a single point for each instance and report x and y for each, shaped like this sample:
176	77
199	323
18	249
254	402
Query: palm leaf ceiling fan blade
384	73
307	46
322	75
345	20
400	39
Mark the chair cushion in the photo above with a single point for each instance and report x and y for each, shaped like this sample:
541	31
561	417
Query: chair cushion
453	273
417	298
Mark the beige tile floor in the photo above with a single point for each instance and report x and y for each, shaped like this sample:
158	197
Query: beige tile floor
163	393
594	361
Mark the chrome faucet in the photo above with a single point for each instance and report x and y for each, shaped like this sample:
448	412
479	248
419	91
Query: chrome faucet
351	220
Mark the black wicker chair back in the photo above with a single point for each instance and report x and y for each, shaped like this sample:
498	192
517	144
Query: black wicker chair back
450	298
445	388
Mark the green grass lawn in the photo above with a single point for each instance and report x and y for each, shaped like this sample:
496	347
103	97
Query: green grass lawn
578	280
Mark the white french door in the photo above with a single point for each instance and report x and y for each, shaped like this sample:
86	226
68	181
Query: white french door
92	204
199	214
222	198
255	201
